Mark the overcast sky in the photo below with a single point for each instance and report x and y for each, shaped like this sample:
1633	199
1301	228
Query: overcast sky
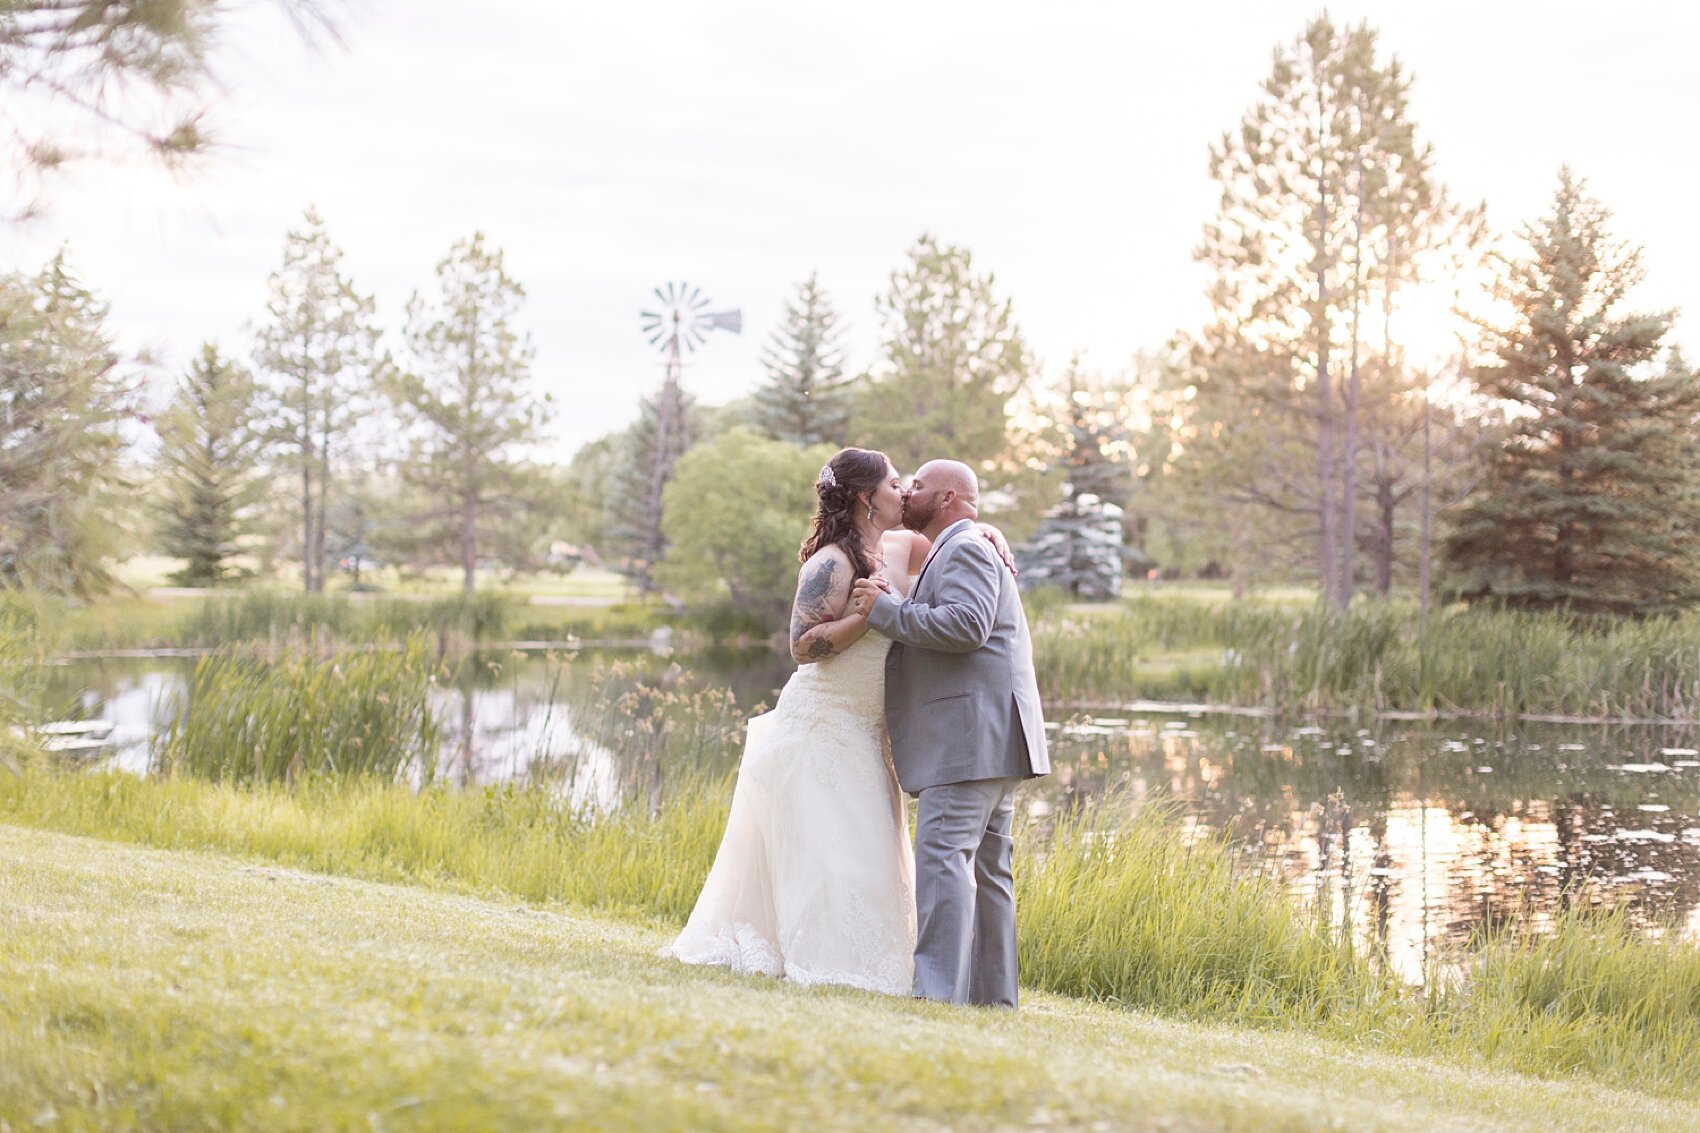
609	147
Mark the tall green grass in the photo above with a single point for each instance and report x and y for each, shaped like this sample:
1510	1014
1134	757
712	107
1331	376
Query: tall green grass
1587	993
1130	911
250	717
1373	657
518	842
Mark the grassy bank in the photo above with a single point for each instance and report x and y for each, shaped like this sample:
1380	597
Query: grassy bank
1136	916
1375	657
1285	655
192	992
279	617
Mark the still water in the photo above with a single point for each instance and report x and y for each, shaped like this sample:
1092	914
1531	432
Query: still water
1415	836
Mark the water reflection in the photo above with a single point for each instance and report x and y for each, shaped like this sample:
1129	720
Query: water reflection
1415	838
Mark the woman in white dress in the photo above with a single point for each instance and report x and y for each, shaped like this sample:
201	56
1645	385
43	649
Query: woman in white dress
815	879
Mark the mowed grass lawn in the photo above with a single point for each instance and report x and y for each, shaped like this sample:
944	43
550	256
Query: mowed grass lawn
147	989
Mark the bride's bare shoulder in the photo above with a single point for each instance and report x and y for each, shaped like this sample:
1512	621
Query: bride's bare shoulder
830	562
906	549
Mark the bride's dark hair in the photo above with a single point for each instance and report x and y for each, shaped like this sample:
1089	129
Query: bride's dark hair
847	475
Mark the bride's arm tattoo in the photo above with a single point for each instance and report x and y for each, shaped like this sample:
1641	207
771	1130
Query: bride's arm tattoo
811	612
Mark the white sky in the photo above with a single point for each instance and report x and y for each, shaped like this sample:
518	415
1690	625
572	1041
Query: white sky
609	147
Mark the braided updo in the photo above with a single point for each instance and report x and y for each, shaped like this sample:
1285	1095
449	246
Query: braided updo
849	474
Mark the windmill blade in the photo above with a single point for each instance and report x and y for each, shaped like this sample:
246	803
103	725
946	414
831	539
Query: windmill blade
660	296
660	333
728	320
698	299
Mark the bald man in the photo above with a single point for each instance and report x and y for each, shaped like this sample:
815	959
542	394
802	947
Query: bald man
962	705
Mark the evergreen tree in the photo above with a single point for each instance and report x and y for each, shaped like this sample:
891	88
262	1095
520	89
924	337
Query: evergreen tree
319	351
666	426
953	359
467	397
62	397
1592	502
1098	457
1328	205
805	400
210	443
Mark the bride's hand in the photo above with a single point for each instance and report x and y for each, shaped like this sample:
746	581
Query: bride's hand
1000	545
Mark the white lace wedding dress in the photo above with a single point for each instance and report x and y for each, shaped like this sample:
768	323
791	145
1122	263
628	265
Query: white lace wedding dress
815	879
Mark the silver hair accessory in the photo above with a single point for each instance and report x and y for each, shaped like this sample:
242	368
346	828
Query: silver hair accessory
828	477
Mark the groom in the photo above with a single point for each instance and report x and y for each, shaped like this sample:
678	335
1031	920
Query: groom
962	703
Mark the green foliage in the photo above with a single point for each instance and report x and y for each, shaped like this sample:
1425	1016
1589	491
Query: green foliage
467	401
209	452
953	358
1295	657
252	718
63	395
736	512
633	522
319	352
1132	912
1329	208
30	625
1093	416
805	400
1593	501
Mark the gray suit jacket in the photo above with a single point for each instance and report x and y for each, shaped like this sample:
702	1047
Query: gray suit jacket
961	697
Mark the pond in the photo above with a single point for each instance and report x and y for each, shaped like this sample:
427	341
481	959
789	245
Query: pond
1414	836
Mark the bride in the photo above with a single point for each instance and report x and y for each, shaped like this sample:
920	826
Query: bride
815	879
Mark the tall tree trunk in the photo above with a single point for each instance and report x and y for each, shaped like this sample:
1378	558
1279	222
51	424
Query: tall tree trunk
320	567
1326	471
1386	505
469	545
469	470
307	557
1349	446
1425	551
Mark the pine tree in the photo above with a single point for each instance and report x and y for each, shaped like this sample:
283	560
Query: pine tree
1328	204
210	442
113	77
1099	454
467	397
1592	502
805	399
320	353
954	357
62	397
664	430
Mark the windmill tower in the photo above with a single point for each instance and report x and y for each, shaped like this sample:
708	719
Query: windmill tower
680	326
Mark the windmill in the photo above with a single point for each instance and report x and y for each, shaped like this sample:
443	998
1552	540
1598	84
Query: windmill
683	323
680	326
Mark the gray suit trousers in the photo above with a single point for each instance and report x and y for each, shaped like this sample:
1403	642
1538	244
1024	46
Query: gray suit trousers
965	893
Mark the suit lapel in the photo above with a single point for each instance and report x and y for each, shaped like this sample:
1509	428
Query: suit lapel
949	533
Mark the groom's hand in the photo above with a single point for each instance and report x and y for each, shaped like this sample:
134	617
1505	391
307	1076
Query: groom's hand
865	593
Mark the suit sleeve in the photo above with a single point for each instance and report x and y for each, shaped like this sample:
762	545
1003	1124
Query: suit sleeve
964	607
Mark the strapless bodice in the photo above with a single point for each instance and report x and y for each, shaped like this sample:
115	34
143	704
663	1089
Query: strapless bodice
852	682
